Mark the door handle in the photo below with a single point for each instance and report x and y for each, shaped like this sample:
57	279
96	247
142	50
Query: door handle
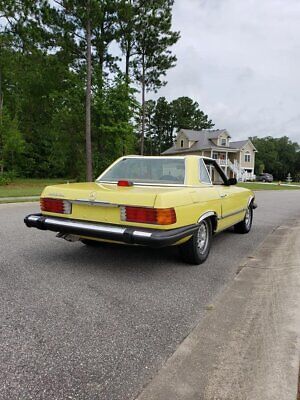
223	195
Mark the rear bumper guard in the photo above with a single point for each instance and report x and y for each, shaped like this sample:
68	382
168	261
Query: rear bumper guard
125	234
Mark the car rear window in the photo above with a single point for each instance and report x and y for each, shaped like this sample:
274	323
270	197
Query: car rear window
147	170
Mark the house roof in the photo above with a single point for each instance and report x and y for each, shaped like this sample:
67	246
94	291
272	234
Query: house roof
202	139
239	144
209	133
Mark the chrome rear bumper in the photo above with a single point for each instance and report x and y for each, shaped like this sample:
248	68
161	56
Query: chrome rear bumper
125	234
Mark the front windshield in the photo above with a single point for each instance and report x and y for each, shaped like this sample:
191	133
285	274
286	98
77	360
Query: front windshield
147	170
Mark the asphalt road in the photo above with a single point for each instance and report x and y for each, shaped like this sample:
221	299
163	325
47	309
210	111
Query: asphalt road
97	323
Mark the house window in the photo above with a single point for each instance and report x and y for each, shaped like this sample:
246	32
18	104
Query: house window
223	142
247	158
181	143
215	156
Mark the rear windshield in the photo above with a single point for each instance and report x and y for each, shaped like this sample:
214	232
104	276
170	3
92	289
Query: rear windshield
147	170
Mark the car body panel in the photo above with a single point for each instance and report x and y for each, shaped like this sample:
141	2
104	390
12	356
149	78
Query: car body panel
100	202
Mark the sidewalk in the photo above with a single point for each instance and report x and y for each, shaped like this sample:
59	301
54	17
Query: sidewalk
247	347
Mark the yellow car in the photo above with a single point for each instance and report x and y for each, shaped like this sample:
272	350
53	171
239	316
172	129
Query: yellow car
152	201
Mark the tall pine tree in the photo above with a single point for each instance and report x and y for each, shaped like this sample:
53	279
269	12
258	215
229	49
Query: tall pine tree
152	58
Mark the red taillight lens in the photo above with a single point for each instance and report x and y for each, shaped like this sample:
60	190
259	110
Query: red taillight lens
159	216
56	206
125	183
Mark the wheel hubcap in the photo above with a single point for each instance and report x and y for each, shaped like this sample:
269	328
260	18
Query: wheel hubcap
248	217
202	237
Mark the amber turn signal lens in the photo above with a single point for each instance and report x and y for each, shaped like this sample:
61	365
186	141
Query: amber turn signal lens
158	216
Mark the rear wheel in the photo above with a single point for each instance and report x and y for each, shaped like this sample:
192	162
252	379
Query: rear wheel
196	249
245	225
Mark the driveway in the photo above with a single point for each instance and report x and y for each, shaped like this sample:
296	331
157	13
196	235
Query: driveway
97	323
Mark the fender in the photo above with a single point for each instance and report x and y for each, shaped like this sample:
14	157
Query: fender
251	199
208	214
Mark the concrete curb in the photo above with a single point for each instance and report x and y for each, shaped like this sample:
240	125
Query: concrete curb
247	347
18	199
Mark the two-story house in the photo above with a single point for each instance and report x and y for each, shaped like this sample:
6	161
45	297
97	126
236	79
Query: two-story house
236	158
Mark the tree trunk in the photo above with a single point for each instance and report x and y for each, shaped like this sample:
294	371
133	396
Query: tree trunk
143	106
88	138
127	60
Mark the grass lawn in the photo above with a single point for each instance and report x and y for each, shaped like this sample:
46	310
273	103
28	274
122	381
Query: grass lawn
27	187
266	186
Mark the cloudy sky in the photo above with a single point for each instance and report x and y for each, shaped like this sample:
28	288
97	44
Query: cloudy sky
240	59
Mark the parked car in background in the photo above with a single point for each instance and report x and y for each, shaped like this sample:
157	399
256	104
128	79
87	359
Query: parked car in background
150	201
264	177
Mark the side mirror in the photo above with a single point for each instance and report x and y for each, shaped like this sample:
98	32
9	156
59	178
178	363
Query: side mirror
231	181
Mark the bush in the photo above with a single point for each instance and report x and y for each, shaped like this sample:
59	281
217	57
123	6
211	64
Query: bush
6	178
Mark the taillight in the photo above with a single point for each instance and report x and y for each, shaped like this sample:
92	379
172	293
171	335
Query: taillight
56	206
125	183
159	216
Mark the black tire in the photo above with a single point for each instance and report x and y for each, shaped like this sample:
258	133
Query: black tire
245	225
190	251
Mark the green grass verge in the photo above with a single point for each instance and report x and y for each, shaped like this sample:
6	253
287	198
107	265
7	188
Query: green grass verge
266	186
27	187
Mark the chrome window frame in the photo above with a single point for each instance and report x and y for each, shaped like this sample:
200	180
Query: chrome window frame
208	174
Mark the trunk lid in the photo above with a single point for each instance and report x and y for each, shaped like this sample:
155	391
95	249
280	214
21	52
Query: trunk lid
99	202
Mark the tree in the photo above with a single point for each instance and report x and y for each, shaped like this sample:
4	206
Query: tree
277	155
152	58
87	27
127	17
11	142
163	119
58	80
187	115
114	109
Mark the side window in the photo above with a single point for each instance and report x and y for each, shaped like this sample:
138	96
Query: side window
204	175
216	177
181	143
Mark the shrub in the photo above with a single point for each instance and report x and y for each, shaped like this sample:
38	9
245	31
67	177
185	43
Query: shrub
6	178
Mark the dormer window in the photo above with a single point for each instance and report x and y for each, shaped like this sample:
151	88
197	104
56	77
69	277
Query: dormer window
181	143
223	142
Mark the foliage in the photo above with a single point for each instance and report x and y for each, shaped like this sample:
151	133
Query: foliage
152	40
6	178
44	79
114	109
163	119
11	142
277	156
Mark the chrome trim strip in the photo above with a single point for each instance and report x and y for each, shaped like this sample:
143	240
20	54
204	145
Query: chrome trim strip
206	215
33	218
179	185
96	203
250	199
142	234
233	213
82	225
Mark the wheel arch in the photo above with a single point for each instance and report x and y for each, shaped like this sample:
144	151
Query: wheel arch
250	200
212	215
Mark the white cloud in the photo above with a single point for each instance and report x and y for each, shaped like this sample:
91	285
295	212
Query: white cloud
241	61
